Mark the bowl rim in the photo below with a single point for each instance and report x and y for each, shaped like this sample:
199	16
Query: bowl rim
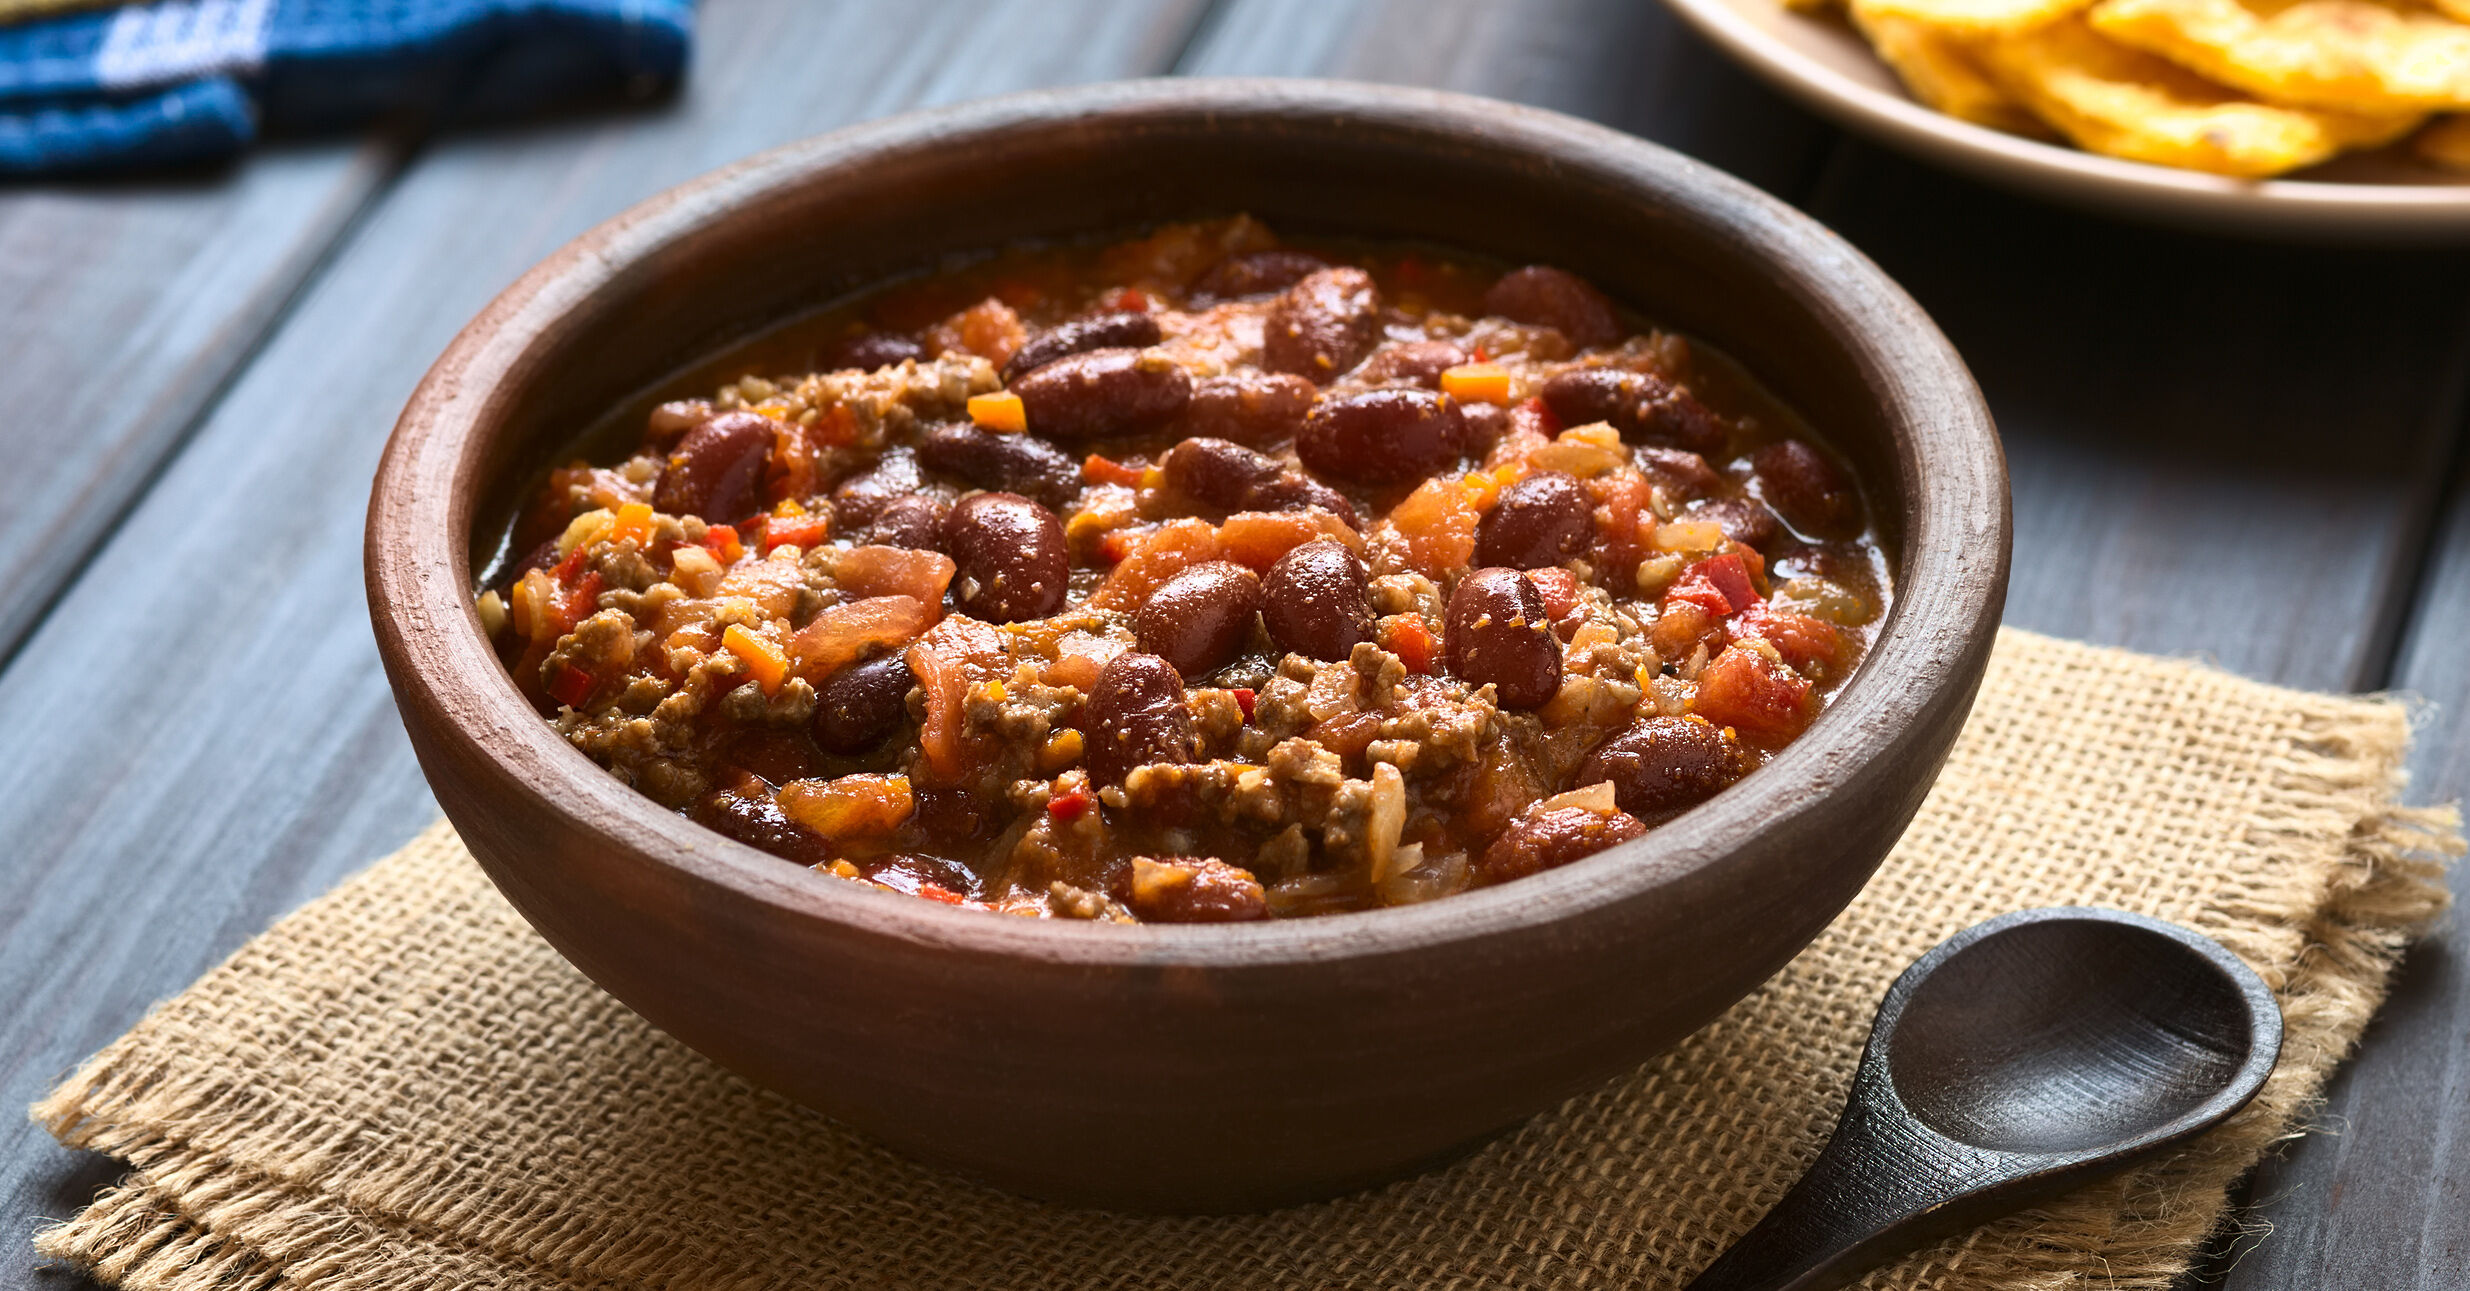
1949	592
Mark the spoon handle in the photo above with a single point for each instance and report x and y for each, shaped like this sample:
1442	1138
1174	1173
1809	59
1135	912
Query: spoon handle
1872	1194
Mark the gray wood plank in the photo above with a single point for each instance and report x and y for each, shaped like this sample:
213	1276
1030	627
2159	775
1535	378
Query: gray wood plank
129	304
2218	448
197	737
1622	62
2382	1199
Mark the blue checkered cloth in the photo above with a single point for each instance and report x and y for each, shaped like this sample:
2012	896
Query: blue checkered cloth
182	81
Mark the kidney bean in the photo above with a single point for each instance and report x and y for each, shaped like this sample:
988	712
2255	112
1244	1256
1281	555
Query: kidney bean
1323	325
1254	273
1255	408
1136	716
858	498
1200	619
858	706
1381	436
1417	363
1023	464
1642	406
1295	491
1547	840
913	873
869	351
915	522
1808	489
1541	520
1009	556
1317	600
1190	889
1103	392
1131	328
1664	765
675	418
1556	298
716	471
1744	520
1499	632
748	814
1218	472
1685	475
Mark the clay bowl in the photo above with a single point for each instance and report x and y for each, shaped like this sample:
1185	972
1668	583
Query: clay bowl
1186	1068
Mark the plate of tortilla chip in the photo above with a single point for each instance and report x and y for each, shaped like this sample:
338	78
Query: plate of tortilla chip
2309	118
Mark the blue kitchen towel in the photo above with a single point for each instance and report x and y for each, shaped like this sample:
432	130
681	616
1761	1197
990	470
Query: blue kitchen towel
190	80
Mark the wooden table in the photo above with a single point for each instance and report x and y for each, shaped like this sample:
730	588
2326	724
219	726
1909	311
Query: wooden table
2249	453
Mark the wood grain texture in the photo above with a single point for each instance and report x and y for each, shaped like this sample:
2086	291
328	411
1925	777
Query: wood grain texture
2382	1199
130	304
1624	63
197	737
2219	448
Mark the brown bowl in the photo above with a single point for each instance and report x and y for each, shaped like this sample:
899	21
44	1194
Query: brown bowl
1162	1067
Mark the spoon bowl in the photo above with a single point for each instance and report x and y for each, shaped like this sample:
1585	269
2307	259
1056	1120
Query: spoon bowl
2023	1056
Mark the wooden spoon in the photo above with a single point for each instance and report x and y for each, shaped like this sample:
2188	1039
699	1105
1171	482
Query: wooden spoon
2020	1058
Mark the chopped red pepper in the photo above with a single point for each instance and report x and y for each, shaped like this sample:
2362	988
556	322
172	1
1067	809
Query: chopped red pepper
1720	585
572	686
1243	700
1127	298
1069	806
802	531
1540	415
1106	470
938	892
1481	356
579	602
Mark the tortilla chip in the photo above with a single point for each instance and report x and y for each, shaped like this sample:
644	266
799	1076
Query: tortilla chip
2367	56
2127	103
1977	19
1943	72
2445	142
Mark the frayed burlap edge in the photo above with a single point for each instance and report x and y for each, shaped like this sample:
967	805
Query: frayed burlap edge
188	1220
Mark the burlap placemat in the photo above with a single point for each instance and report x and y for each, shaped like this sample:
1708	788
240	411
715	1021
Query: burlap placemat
401	1086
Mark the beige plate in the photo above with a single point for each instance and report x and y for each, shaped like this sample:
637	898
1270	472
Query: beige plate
2371	197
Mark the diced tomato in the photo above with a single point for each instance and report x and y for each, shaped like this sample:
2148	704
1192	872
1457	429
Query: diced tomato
565	571
1679	628
1243	700
1808	644
1106	470
1126	298
722	541
1481	356
1409	638
1720	585
1069	806
1758	696
1535	412
938	892
572	687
